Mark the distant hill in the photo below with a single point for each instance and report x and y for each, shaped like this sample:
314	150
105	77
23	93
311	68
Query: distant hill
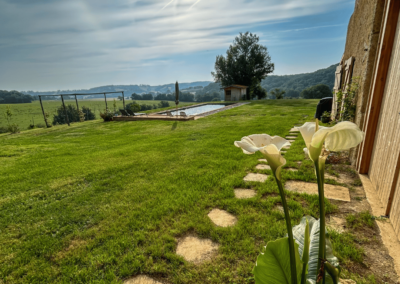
293	84
299	82
127	89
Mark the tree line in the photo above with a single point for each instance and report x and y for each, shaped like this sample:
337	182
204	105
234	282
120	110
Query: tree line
183	97
14	97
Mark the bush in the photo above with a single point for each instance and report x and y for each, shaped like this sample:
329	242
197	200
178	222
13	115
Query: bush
163	104
146	107
3	130
13	128
73	115
41	125
135	107
107	115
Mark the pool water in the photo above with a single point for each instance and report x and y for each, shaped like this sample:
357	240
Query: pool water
199	109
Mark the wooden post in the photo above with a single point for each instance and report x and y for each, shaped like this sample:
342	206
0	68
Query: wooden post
77	106
123	99
65	110
44	115
105	99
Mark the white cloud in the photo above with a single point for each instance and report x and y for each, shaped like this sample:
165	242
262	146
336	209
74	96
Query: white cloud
62	37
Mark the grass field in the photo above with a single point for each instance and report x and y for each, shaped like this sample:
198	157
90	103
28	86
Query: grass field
101	202
24	114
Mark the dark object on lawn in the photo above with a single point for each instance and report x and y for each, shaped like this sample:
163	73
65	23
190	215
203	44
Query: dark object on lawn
124	112
130	112
324	104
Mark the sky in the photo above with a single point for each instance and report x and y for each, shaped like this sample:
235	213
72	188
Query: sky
58	45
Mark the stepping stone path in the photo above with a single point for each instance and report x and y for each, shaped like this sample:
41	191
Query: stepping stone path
256	177
334	192
291	169
222	218
337	224
243	193
291	141
141	279
294	130
291	137
263	160
279	208
196	250
263	167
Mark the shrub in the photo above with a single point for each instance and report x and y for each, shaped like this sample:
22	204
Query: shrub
13	128
163	104
107	115
41	125
3	130
73	115
134	106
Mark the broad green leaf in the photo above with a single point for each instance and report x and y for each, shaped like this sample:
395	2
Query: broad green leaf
298	235
273	264
306	252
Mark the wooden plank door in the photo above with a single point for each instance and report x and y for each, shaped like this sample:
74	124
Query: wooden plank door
395	210
385	154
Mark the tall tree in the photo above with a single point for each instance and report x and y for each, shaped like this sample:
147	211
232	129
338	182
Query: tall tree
246	63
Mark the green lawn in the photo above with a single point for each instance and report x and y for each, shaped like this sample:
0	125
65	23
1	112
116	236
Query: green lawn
24	114
101	202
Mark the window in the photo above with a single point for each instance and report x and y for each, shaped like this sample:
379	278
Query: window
228	92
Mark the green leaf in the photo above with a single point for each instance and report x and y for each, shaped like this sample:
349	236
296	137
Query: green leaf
306	252
273	264
298	235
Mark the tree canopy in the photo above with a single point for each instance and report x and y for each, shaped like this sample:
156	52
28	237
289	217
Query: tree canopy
246	63
14	97
316	92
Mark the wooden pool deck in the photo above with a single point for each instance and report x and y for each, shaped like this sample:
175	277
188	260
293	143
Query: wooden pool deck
160	116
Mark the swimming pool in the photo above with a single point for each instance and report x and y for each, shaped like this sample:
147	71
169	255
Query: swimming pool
199	109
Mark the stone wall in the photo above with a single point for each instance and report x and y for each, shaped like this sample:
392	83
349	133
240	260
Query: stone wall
362	43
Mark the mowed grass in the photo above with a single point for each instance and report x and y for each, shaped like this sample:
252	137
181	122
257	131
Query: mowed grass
26	114
102	202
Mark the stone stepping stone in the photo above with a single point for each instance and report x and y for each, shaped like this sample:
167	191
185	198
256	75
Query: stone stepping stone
141	279
291	169
334	192
283	152
291	141
286	147
263	167
222	218
243	193
279	208
263	160
256	177
291	137
294	130
337	224
196	250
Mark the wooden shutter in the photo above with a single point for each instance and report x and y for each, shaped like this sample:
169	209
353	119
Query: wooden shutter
348	73
336	88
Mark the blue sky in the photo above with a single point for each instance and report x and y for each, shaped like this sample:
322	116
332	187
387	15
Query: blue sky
55	44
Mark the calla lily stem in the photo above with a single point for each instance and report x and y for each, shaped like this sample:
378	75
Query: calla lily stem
293	271
320	170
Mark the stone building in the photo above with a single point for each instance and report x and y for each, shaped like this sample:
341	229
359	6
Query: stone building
372	59
235	92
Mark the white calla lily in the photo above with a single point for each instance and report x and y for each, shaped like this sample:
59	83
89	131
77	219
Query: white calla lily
342	136
269	146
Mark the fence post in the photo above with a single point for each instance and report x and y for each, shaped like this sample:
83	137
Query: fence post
123	99
65	110
44	116
105	99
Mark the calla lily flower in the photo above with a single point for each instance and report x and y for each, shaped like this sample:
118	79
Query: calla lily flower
269	146
342	136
